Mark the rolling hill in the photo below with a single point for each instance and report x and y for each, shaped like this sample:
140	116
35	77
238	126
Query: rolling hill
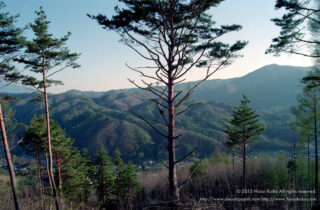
102	119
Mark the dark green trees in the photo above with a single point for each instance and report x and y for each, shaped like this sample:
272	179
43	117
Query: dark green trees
72	176
242	129
11	41
114	181
104	178
72	167
175	37
33	144
47	56
120	178
131	184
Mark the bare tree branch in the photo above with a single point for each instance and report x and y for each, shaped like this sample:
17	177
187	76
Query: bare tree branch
159	145
190	175
150	124
17	144
187	155
186	109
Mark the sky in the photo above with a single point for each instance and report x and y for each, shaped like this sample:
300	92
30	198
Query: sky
103	58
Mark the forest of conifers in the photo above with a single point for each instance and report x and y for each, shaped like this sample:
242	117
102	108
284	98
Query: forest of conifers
243	143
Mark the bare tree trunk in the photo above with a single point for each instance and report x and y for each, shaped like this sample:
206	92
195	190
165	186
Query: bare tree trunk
39	174
41	189
316	149
129	204
58	161
54	188
309	168
9	161
173	181
295	169
118	194
47	168
244	169
234	181
233	174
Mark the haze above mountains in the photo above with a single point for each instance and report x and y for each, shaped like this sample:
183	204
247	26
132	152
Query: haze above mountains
102	119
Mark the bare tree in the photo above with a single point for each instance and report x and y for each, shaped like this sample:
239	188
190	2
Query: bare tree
176	37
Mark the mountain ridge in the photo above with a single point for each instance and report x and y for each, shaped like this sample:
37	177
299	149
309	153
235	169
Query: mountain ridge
102	119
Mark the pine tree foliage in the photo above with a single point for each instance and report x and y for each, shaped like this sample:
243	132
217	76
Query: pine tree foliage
45	53
120	185
104	178
88	168
11	42
73	174
299	28
35	135
308	102
131	183
244	126
72	168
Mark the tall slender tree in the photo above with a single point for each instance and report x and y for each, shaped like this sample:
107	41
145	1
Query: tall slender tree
88	166
307	116
11	42
120	185
176	37
131	183
104	178
47	56
72	175
243	128
300	27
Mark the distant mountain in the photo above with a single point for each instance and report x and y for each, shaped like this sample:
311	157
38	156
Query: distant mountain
15	89
267	87
102	119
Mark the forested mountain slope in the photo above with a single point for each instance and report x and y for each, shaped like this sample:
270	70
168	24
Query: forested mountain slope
103	119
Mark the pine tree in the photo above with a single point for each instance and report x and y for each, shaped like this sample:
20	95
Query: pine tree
242	129
11	42
33	143
61	148
104	179
175	37
71	169
73	175
120	179
47	56
131	183
88	166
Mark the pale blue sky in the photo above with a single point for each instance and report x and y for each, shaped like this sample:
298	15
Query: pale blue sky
103	57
